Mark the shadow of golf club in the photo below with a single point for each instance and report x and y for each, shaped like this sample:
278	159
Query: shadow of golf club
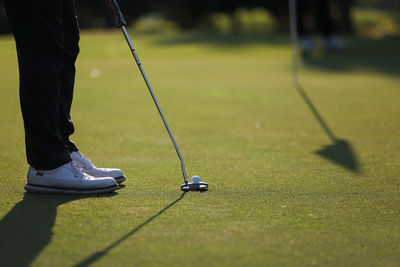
341	151
96	256
27	228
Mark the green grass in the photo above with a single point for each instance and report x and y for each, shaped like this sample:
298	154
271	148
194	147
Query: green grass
244	129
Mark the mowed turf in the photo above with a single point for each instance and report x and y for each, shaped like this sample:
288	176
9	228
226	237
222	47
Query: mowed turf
282	191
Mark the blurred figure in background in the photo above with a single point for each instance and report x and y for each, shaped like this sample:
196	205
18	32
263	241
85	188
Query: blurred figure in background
319	10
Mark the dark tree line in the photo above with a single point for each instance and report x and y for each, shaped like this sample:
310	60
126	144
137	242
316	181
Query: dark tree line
192	14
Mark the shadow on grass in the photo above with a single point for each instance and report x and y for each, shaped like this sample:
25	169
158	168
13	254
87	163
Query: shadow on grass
366	54
27	229
380	55
341	151
96	256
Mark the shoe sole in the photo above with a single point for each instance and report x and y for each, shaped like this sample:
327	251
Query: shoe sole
54	190
120	179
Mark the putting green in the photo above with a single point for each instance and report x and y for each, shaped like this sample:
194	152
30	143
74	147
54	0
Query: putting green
306	176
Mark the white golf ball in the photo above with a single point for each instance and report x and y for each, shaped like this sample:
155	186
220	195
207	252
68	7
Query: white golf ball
195	180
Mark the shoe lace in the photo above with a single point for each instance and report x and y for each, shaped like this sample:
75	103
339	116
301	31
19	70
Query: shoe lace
87	163
78	171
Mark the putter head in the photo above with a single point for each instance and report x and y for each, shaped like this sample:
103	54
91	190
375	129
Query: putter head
201	186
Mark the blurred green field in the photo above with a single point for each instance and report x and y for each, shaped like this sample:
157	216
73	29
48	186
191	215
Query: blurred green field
241	126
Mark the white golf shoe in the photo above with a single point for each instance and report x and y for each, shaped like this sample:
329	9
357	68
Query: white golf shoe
87	166
67	179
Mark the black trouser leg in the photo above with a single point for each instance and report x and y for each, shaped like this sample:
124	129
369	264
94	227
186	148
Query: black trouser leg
324	22
301	11
71	50
320	11
40	35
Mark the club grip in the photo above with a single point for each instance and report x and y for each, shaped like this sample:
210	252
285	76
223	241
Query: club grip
115	13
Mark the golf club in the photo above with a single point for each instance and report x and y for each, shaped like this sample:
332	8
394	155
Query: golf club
195	183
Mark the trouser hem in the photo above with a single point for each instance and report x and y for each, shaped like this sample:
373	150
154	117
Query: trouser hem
54	164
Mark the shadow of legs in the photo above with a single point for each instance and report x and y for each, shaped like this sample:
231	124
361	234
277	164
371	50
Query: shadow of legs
341	151
27	229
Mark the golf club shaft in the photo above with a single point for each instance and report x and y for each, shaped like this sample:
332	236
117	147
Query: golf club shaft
139	64
294	40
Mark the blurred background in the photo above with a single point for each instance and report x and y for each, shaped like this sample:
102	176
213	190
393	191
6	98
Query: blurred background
370	18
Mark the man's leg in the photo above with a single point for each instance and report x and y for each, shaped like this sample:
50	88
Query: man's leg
71	50
306	42
39	28
301	11
323	18
330	41
39	34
